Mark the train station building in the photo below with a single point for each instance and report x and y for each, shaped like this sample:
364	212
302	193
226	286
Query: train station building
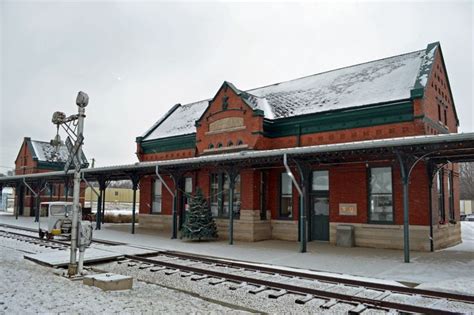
36	157
371	148
402	97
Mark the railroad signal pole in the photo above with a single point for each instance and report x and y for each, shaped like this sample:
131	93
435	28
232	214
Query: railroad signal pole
74	127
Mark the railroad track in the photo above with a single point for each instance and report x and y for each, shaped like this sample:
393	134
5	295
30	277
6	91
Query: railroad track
319	277
32	230
53	244
243	274
199	267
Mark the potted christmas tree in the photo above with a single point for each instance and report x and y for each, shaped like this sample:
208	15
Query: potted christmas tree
199	223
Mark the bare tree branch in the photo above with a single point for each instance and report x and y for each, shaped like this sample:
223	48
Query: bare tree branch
466	176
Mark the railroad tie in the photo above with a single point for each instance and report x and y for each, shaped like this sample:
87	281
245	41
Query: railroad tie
304	300
277	294
329	304
199	277
123	261
217	281
238	286
258	290
145	266
383	295
155	269
172	271
358	309
186	274
131	264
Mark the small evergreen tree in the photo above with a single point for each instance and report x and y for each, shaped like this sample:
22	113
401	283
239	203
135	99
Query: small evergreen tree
199	223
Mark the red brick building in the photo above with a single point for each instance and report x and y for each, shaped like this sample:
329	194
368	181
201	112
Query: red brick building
400	96
41	157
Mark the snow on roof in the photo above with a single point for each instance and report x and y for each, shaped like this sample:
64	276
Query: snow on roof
374	82
378	81
426	66
260	103
180	121
45	152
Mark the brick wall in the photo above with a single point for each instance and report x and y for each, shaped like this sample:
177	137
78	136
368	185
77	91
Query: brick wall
348	183
437	95
236	108
25	164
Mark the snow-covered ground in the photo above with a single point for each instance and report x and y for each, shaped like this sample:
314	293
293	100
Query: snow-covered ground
445	268
27	288
114	208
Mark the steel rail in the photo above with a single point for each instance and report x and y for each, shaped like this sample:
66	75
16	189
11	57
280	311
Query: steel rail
324	278
340	297
36	238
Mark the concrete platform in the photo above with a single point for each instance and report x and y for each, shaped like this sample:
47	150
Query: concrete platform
109	281
93	254
453	263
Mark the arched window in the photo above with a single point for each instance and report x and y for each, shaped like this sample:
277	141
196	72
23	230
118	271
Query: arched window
219	145
240	142
230	143
211	146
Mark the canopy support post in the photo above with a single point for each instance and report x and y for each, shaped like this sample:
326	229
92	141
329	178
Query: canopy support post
232	173
174	194
302	215
135	178
19	199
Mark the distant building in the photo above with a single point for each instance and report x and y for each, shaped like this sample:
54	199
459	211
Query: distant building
467	207
112	194
401	96
5	198
40	157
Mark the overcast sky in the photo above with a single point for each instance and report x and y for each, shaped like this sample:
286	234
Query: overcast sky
137	59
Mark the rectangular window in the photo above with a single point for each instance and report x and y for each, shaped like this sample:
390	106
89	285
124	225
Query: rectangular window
380	195
236	205
70	191
445	117
320	181
215	198
157	198
286	196
320	193
188	191
220	193
263	195
451	195
439	113
440	187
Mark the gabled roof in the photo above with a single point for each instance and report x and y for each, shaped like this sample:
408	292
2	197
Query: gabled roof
380	81
44	152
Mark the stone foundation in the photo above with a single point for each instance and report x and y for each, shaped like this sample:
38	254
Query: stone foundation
162	222
248	228
446	235
26	211
391	236
286	230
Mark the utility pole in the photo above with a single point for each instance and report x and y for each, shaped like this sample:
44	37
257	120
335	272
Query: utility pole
74	127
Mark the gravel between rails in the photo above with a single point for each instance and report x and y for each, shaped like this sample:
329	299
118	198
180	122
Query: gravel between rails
239	297
435	303
28	288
